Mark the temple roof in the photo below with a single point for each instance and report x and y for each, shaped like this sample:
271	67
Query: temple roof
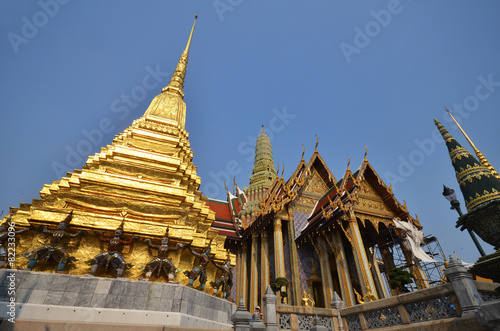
345	195
282	192
224	223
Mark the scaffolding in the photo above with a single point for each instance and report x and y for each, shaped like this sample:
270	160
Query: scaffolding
433	270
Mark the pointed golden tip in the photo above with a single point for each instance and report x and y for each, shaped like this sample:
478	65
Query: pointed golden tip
348	161
446	109
317	142
196	16
366	151
303	151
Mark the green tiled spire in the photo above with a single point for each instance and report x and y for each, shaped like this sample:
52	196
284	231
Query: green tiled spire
477	183
262	177
263	168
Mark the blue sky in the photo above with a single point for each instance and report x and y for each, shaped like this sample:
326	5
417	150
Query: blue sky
74	74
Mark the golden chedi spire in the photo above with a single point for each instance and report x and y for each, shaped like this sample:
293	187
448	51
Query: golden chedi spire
146	173
169	107
479	155
176	83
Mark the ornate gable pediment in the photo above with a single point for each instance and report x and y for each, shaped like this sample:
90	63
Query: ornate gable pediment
314	188
370	202
315	184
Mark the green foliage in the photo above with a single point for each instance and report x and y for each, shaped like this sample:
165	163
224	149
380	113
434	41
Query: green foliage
279	282
399	278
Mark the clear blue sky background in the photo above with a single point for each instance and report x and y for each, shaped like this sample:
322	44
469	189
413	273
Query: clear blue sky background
67	72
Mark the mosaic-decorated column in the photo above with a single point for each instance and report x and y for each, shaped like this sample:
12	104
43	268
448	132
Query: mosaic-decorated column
343	269
388	259
326	276
279	257
242	274
379	281
254	273
295	281
264	264
362	264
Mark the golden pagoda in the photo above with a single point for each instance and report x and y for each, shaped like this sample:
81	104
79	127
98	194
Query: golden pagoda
145	181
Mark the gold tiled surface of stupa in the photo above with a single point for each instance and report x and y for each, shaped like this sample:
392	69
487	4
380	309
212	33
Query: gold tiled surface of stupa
145	179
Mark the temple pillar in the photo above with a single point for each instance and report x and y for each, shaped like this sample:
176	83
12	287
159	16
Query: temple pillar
326	275
254	273
294	261
279	256
264	263
342	269
379	281
242	274
362	265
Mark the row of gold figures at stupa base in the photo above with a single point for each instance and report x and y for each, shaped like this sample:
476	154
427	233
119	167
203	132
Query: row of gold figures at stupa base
111	260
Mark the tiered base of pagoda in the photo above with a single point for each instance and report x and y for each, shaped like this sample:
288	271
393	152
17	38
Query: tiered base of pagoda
91	302
488	266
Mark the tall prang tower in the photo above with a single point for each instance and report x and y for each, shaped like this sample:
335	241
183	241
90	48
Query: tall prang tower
263	174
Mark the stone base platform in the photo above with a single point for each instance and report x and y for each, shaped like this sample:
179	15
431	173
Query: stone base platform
59	298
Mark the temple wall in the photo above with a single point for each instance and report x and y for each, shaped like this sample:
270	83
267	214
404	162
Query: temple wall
58	297
305	259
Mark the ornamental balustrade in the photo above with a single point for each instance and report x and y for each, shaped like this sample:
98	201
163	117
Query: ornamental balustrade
439	303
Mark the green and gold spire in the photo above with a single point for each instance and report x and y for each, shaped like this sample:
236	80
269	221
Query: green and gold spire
263	168
262	177
479	155
477	183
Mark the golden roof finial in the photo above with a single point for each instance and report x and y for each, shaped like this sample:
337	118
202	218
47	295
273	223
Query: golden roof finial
303	152
479	155
176	83
366	152
317	142
262	130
